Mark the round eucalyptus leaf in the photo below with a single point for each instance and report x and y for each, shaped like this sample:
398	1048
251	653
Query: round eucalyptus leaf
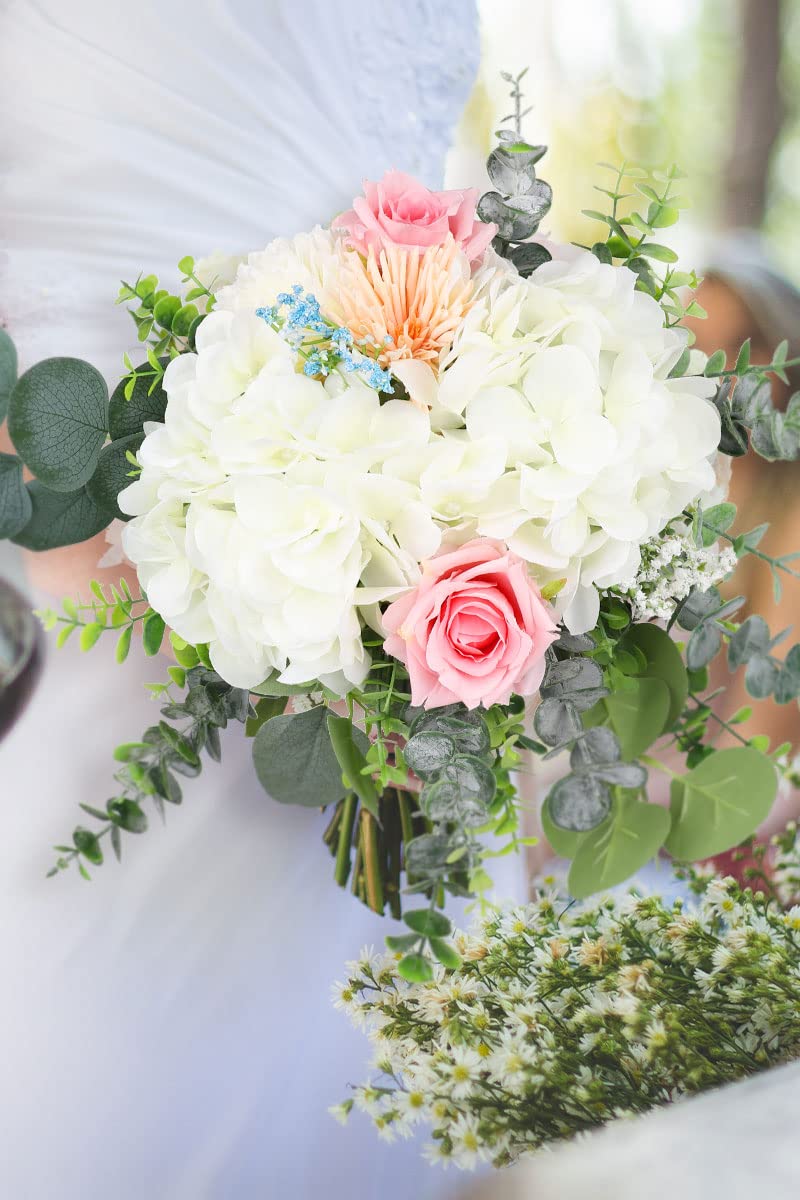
58	418
426	753
8	371
761	676
112	474
704	644
574	643
578	803
598	745
511	172
565	842
527	257
127	417
427	854
621	774
472	776
697	606
467	729
15	502
750	639
427	923
60	518
662	661
295	762
443	801
556	722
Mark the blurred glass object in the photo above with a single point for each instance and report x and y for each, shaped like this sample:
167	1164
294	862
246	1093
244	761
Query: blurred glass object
20	655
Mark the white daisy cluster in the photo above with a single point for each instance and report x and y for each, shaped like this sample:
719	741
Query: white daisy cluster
561	1019
672	566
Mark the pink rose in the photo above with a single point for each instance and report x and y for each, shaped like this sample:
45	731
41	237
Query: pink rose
400	211
474	630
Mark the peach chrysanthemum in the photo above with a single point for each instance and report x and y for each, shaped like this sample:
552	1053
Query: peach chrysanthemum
407	301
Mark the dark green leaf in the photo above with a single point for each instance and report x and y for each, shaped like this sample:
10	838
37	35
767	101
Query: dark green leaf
295	761
60	518
528	256
127	417
58	418
128	815
761	676
352	759
447	954
112	475
153	633
565	842
88	845
15	502
427	922
8	372
266	708
401	942
751	638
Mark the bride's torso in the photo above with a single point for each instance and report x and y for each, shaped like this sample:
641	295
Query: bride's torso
168	1028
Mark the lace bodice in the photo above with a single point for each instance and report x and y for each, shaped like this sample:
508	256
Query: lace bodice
141	135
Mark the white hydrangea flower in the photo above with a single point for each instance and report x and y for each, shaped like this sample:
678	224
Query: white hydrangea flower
263	519
569	371
311	259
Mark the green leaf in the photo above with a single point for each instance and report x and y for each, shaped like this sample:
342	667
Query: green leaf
60	518
15	503
427	922
123	644
618	848
352	760
146	403
8	372
427	752
266	708
128	815
295	761
152	633
186	265
415	968
112	475
720	518
88	845
447	954
565	842
743	357
273	687
181	745
720	803
90	634
185	655
664	662
58	418
639	715
165	310
184	318
400	942
654	250
715	363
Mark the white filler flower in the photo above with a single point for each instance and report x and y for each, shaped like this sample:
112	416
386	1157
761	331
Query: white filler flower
263	520
565	377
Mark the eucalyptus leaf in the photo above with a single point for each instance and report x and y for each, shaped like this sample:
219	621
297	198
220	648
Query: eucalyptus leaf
565	842
697	607
8	371
427	752
444	802
704	644
15	502
556	722
663	661
598	745
58	418
761	676
427	922
60	518
127	417
638	715
751	638
619	848
528	256
472	776
295	762
578	803
112	475
427	854
720	803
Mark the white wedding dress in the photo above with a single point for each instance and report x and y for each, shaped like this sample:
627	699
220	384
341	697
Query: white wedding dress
166	1031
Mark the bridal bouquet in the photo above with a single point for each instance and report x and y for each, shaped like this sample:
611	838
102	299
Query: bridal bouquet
419	498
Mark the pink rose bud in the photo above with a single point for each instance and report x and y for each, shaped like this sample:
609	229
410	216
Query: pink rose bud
474	630
400	211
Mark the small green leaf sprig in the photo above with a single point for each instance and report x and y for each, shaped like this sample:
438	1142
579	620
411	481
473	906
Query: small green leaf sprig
111	610
629	240
149	769
167	322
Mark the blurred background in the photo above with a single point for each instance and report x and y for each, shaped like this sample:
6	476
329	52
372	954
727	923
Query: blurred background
714	87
